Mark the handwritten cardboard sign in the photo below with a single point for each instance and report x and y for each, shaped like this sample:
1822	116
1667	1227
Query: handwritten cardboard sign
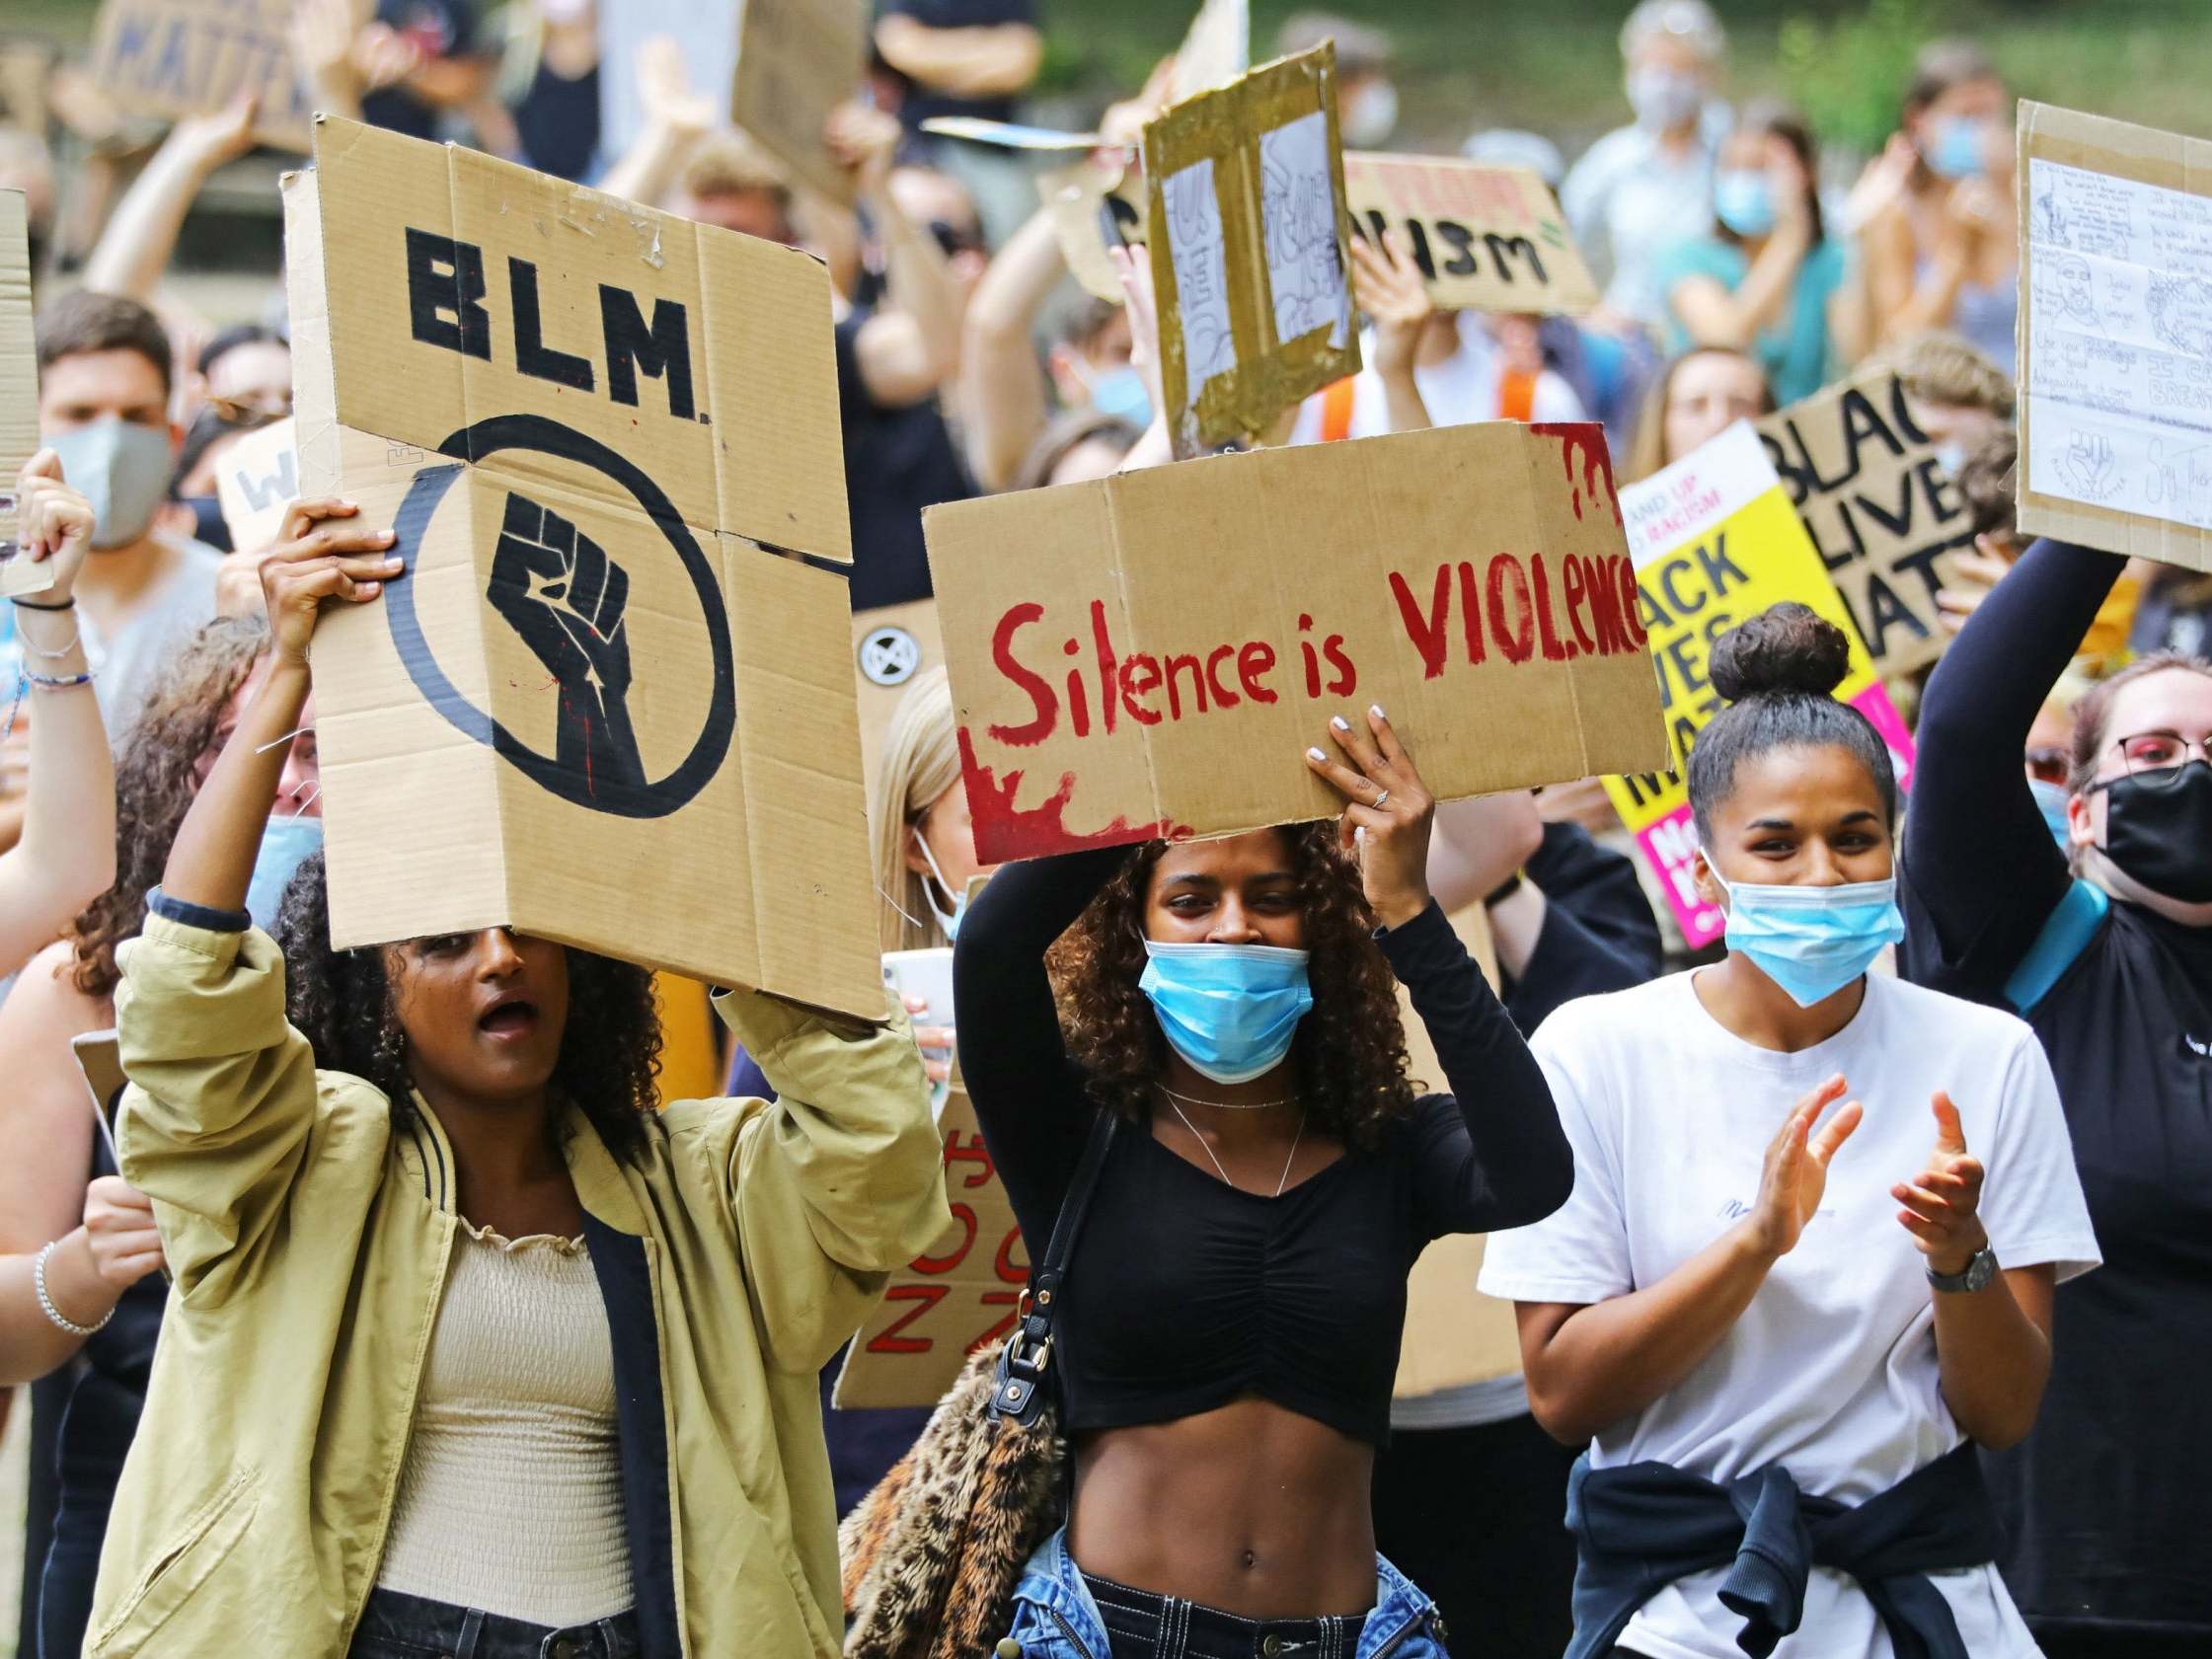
182	57
255	480
1486	237
1094	211
797	62
1716	541
590	423
18	392
1151	655
1248	238
1882	512
2116	340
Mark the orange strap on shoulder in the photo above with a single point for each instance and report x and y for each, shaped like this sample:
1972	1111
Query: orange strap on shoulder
1336	410
1516	396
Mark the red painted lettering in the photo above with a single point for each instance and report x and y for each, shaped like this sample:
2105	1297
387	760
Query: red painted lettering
888	1340
1471	614
1347	677
1576	585
1140	677
974	1152
1426	633
1106	661
1517	642
1605	609
1040	695
1198	684
1222	694
1257	657
965	1216
1313	663
1624	577
1004	1264
1555	648
1008	1299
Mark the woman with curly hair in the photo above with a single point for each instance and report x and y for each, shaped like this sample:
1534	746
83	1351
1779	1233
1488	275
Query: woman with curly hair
102	1249
470	1351
1229	1329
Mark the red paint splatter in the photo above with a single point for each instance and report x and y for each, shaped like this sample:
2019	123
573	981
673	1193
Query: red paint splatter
1004	832
1585	439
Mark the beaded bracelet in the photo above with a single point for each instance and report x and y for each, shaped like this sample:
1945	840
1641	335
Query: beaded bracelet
46	1302
69	604
56	682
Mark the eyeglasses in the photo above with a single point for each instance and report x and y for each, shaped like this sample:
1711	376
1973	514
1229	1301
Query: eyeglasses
2157	751
2048	765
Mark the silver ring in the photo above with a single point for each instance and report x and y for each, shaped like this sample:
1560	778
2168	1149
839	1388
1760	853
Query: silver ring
1382	798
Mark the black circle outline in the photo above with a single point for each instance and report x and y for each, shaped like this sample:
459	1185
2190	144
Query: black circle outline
549	438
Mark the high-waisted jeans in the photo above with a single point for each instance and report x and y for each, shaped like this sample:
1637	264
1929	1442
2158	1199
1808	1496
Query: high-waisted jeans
397	1626
1062	1612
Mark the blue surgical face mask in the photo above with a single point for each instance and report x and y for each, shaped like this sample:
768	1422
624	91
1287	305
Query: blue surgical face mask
2052	798
1121	393
286	843
1230	1010
949	920
1813	942
122	468
1664	98
1743	200
1960	149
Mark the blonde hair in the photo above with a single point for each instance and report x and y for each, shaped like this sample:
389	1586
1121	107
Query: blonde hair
920	761
727	162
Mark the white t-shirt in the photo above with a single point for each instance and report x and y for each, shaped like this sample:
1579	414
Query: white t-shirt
1831	1370
1458	392
127	666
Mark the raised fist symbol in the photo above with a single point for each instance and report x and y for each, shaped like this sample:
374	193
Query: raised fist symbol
565	596
2087	467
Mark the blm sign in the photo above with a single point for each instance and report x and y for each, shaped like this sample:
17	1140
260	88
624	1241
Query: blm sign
604	704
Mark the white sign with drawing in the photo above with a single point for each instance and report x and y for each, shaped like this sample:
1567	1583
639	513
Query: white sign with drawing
1298	211
2120	319
1200	252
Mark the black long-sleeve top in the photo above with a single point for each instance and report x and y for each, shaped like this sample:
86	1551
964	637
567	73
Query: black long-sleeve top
2121	1454
1599	934
1185	1293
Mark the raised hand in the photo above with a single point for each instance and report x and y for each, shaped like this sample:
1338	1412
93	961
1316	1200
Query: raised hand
1942	1202
52	521
1387	816
1795	1177
318	558
1387	285
557	589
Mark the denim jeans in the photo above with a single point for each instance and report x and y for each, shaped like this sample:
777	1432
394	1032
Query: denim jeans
397	1626
1059	1613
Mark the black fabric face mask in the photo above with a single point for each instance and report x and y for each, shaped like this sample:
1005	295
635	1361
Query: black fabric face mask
2158	828
208	524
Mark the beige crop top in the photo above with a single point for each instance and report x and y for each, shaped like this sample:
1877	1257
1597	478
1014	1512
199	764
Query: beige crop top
510	1495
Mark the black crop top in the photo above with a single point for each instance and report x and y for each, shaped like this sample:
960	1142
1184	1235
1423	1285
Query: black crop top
1185	1293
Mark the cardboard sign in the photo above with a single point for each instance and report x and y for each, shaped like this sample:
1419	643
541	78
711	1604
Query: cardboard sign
1882	512
957	1296
257	479
18	392
1486	237
1715	540
2116	338
1092	212
797	62
1195	625
1215	49
597	707
1247	235
184	57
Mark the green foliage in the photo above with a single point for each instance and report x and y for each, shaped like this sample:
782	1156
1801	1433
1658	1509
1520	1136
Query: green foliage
1846	74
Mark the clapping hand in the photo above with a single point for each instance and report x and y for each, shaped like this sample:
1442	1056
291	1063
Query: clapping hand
1795	1177
1942	1202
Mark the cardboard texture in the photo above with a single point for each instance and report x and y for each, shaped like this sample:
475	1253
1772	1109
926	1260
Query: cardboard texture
955	1297
706	35
2116	336
589	423
1716	541
1882	512
18	392
257	479
182	57
891	644
1249	262
1081	198
1486	237
797	62
1195	625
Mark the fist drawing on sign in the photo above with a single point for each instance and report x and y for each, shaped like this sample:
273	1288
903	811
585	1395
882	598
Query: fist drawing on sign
2087	467
560	592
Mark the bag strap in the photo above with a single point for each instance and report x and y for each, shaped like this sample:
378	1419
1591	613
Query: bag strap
2072	924
1337	399
1018	1393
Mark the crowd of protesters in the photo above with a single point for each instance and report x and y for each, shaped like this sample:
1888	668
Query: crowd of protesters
470	1296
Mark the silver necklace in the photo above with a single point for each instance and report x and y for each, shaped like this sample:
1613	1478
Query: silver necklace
1220	1106
1280	1183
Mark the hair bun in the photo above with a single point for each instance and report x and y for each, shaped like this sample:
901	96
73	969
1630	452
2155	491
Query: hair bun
1787	648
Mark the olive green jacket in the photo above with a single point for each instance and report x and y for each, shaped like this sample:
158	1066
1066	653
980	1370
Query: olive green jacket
308	1238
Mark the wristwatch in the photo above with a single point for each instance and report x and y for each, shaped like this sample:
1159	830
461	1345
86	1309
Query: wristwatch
1981	1267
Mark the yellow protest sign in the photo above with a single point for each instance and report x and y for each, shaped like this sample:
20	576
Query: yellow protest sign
1715	540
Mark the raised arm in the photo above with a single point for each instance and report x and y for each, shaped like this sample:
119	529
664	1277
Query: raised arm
911	345
67	853
134	249
839	1179
1499	1158
675	118
1002	391
1389	288
1977	857
1027	1093
982	60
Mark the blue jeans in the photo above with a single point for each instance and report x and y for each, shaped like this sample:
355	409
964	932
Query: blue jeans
1057	1614
397	1626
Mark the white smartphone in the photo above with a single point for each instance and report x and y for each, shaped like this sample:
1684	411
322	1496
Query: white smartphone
927	974
99	1057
